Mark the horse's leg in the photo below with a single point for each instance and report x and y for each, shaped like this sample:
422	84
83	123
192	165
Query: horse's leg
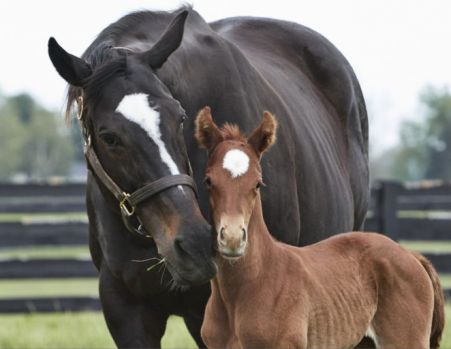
194	323
130	322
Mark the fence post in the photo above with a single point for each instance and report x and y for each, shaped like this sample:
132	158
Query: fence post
388	207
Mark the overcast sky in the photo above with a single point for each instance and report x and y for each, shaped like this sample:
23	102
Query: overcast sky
395	47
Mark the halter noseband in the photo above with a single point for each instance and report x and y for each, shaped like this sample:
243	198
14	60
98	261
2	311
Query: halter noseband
128	202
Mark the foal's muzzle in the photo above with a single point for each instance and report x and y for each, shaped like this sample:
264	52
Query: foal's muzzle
232	240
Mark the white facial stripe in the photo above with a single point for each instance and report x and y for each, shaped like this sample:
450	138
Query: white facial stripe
135	107
236	162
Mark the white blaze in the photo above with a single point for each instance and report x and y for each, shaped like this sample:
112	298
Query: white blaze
136	108
236	162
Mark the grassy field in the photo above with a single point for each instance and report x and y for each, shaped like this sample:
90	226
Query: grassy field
74	331
82	251
64	331
428	246
49	287
45	252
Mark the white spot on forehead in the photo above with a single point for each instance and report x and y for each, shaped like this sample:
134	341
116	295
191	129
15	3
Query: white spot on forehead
136	108
236	162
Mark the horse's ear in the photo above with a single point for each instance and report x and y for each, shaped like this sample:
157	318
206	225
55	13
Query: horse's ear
167	43
264	136
207	133
71	68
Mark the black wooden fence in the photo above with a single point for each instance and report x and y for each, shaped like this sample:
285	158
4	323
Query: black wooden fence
43	215
413	212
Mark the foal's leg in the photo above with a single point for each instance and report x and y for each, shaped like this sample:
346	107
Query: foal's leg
131	323
401	323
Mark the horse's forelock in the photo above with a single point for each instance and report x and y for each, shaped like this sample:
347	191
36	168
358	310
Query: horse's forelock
105	61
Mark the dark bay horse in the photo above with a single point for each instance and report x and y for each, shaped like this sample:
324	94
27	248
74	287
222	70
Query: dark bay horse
330	294
135	86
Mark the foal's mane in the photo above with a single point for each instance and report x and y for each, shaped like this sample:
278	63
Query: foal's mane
231	132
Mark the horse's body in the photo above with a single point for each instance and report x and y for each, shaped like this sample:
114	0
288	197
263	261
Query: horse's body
240	66
326	295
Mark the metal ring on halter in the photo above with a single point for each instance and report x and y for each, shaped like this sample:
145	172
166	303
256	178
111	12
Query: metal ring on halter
125	210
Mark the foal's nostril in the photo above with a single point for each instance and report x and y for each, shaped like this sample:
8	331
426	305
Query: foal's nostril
221	234
244	234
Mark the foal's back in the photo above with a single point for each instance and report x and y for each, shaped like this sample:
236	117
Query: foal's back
365	283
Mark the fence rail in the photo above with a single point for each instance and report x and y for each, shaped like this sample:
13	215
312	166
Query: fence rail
54	215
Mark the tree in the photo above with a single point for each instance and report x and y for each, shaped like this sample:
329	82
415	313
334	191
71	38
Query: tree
33	140
437	140
12	141
424	151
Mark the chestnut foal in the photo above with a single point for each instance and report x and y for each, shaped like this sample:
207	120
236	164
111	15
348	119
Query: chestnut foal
327	295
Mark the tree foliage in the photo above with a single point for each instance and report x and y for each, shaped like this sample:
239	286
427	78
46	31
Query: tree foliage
424	151
34	142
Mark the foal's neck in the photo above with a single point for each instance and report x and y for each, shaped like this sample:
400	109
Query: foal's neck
257	258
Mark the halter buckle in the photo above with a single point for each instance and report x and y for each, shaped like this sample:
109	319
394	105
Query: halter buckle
127	211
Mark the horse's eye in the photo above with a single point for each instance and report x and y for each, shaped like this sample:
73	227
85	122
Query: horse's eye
182	119
207	182
110	139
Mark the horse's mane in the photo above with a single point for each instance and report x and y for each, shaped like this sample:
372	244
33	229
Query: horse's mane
105	60
232	132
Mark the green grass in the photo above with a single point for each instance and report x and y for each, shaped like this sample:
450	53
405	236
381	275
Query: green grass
445	280
427	246
73	331
46	252
44	217
82	251
48	288
88	330
446	339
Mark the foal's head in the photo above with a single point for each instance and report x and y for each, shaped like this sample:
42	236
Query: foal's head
233	176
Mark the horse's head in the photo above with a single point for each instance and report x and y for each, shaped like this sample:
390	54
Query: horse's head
135	128
233	176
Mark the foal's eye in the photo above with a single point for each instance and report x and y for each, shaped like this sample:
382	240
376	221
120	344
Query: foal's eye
110	139
207	182
259	185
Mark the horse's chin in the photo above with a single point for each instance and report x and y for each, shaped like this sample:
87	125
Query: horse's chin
180	283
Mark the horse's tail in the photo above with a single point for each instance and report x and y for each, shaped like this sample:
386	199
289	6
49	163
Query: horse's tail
438	316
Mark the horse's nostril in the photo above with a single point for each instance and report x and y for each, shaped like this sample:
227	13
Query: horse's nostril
178	246
244	234
221	234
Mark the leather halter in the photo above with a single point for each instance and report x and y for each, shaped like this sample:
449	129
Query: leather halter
129	201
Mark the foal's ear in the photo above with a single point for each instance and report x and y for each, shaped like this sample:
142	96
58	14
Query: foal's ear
168	42
207	133
71	68
264	136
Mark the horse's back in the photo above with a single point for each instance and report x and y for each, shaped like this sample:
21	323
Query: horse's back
297	52
323	113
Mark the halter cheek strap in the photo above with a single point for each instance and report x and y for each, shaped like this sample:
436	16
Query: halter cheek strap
129	202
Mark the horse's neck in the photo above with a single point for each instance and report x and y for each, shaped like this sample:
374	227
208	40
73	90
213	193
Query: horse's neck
255	264
186	75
